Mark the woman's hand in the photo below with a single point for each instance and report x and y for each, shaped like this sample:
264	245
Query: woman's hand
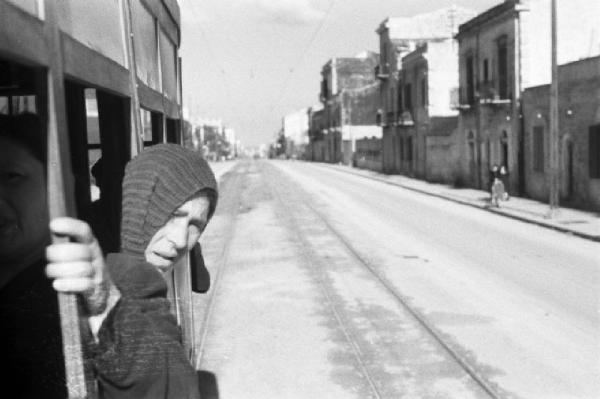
77	265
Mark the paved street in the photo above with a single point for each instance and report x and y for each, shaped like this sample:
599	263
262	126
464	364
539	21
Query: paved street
331	285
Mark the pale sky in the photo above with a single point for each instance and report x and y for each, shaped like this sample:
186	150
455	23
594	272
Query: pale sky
250	62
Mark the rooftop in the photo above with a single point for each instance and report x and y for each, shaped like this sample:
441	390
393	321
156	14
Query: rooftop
438	24
490	14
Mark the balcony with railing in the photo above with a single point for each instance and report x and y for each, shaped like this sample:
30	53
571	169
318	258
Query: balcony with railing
488	94
459	99
406	118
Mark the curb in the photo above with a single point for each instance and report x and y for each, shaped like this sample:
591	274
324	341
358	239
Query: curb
497	211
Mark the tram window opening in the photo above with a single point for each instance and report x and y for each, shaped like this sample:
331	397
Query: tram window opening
4	105
17	89
112	148
173	135
99	130
157	127
152	127
93	140
146	117
75	102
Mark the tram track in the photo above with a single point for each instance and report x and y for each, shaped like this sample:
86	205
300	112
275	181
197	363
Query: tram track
311	257
488	387
230	204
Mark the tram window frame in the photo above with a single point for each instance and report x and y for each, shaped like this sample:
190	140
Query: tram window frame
173	132
94	143
20	88
152	126
99	128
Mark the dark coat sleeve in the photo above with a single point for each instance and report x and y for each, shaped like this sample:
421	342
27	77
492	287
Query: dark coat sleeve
139	353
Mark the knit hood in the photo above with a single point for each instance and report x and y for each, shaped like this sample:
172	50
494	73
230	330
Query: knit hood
157	182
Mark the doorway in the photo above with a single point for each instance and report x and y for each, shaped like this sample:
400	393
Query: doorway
568	186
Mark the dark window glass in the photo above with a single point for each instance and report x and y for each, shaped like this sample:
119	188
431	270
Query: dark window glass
502	69
408	97
594	151
424	92
538	149
470	78
486	70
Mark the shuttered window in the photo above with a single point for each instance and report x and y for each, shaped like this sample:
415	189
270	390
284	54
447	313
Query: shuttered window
594	154
538	149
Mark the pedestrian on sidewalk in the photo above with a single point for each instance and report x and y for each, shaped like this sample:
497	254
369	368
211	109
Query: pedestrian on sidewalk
493	174
503	176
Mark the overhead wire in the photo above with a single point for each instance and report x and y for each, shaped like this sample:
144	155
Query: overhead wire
286	83
221	67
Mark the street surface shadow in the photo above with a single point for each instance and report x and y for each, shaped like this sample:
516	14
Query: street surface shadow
209	388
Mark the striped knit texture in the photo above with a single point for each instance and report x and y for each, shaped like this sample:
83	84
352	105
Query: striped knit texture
157	182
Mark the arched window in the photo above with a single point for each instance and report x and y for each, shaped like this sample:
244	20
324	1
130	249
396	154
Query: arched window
471	144
504	149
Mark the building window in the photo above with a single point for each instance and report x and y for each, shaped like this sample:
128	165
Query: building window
594	151
504	149
471	142
409	148
503	68
401	149
324	89
408	97
538	149
423	92
383	59
470	77
486	70
400	99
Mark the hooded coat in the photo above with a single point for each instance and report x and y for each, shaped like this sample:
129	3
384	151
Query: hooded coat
139	352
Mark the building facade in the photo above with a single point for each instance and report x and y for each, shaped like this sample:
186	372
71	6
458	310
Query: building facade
397	38
368	154
426	123
349	94
503	51
316	133
579	136
296	131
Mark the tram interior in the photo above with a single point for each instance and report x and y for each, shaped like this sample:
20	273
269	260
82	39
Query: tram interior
99	132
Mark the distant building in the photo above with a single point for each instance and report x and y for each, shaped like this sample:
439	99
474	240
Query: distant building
399	36
295	130
426	122
316	150
349	94
503	51
230	138
369	154
216	141
579	131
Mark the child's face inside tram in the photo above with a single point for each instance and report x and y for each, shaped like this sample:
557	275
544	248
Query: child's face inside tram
23	209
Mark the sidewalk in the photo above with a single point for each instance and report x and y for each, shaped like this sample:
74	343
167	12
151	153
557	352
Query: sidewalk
580	223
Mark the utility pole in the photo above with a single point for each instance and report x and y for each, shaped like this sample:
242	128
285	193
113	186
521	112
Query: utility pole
554	156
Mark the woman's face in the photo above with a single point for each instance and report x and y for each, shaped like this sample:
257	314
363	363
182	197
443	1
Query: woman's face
23	209
179	235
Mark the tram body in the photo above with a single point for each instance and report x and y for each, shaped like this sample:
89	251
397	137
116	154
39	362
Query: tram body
105	77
